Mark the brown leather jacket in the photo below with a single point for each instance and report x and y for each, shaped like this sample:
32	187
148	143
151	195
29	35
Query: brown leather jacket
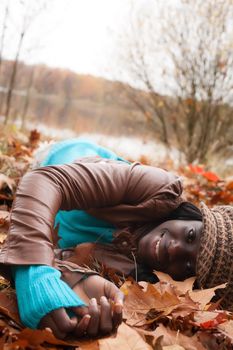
120	193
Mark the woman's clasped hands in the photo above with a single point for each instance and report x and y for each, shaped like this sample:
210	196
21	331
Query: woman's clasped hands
101	316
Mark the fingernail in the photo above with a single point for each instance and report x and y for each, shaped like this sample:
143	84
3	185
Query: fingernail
93	301
48	329
103	299
118	308
87	319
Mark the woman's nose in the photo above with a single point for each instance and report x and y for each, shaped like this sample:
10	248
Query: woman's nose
175	249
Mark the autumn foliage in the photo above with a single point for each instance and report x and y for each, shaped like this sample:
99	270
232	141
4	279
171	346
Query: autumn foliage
167	315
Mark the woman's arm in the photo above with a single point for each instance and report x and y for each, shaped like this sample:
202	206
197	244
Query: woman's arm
115	191
42	192
98	185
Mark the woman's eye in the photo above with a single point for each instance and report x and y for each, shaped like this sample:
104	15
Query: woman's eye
191	236
163	231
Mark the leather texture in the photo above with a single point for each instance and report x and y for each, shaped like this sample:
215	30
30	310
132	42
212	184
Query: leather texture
125	195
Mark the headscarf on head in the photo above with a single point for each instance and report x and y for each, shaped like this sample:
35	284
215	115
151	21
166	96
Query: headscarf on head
215	255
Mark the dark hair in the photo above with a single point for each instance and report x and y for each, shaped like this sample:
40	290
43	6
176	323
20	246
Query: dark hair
186	211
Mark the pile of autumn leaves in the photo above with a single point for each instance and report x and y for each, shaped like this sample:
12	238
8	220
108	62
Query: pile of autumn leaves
167	315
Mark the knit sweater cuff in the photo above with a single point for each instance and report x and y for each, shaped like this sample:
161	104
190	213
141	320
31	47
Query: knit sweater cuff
40	290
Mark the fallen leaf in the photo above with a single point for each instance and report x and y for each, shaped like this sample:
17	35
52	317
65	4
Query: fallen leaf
175	338
126	339
210	176
139	302
34	337
221	317
173	347
182	287
229	185
227	329
214	341
196	169
204	296
2	237
8	305
4	215
34	138
6	182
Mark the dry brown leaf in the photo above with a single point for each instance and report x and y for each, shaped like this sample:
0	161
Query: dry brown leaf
88	345
11	326
186	306
34	337
2	237
213	341
4	215
171	338
126	339
227	329
181	287
5	181
144	305
4	224
8	305
204	296
173	347
4	283
201	317
139	302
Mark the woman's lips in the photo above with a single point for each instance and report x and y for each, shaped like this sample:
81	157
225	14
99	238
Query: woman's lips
160	253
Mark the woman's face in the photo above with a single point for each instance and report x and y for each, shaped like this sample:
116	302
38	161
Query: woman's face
172	248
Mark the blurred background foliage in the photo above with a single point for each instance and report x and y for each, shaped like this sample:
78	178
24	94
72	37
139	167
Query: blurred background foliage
171	78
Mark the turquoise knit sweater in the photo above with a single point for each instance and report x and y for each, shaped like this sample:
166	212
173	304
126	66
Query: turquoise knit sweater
39	288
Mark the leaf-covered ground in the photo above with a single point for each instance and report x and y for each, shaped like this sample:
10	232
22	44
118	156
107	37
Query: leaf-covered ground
168	315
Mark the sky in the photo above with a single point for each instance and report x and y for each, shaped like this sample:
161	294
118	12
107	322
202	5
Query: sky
75	34
83	35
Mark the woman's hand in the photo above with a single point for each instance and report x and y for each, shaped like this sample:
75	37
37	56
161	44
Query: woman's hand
102	315
61	324
104	305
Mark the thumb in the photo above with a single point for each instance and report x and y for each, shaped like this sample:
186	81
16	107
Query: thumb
113	293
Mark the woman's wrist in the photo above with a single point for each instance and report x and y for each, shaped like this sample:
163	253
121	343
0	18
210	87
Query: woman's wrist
40	290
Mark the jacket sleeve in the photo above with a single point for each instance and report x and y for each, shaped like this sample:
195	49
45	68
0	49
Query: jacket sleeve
115	190
152	193
42	192
40	290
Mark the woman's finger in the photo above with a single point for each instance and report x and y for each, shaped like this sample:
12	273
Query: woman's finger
94	312
81	328
48	322
80	311
106	325
63	322
114	293
118	297
117	314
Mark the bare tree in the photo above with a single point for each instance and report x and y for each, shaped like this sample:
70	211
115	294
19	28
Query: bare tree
3	32
2	42
27	96
30	11
185	51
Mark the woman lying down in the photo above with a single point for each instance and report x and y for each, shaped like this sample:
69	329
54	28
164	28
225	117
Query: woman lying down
107	212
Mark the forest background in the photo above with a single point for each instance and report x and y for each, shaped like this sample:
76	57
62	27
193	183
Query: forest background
170	79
